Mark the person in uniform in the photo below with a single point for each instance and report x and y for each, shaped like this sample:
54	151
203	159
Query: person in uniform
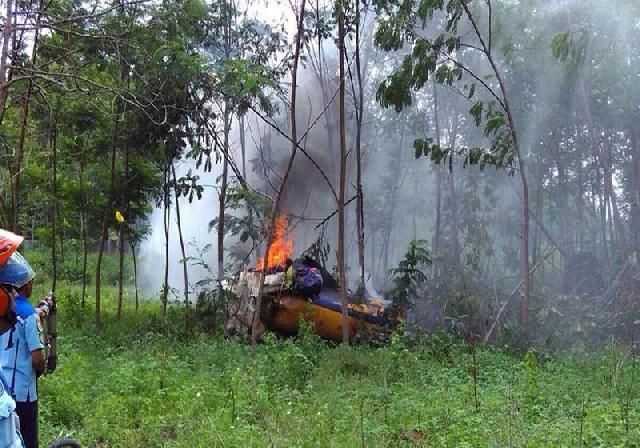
22	349
9	427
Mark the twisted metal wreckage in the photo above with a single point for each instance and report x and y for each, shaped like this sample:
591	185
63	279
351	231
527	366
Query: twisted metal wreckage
304	290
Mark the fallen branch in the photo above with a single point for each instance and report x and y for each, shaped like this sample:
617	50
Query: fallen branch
513	293
547	234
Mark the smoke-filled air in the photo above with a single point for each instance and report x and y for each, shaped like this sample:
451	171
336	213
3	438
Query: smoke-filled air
315	223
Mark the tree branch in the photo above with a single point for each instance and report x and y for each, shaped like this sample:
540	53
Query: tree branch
477	78
299	147
335	212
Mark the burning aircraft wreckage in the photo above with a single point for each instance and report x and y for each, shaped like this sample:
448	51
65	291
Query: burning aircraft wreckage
302	289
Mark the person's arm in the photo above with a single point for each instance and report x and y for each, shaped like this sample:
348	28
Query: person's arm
37	361
33	332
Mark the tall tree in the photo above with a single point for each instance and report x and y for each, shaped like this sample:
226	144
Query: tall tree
340	13
275	208
443	57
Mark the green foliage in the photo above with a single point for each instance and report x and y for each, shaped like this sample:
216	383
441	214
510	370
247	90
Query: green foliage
252	208
70	266
408	276
570	47
532	370
143	383
143	94
241	81
439	58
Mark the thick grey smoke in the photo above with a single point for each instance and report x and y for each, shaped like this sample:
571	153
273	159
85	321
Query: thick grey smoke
195	218
548	100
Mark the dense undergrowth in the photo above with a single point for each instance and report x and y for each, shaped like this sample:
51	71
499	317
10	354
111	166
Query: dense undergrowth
142	383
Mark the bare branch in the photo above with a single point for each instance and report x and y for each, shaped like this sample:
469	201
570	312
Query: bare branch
477	78
334	213
300	148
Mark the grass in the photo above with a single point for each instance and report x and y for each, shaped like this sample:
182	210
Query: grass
141	383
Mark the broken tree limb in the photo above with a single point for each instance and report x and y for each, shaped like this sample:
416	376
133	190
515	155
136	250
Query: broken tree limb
513	293
335	212
546	233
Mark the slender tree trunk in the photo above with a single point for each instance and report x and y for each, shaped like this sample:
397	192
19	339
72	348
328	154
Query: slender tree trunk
438	171
455	224
243	150
107	214
121	238
359	118
343	176
135	270
52	142
243	144
167	217
612	234
602	206
182	247
7	38
121	231
83	231
124	75
225	162
17	165
223	195
292	154
524	311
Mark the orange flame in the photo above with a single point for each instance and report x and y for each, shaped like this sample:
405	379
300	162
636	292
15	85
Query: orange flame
281	248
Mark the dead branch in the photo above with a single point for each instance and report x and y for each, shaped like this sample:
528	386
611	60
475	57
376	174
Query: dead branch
513	293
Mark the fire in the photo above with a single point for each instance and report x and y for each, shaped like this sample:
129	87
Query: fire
281	248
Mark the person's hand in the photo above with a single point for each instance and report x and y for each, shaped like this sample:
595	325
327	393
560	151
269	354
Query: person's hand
45	306
49	298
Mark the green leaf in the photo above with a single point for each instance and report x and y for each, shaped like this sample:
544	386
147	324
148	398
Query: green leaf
560	46
476	112
494	123
418	146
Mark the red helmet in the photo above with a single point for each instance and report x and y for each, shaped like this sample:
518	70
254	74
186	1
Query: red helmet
9	242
